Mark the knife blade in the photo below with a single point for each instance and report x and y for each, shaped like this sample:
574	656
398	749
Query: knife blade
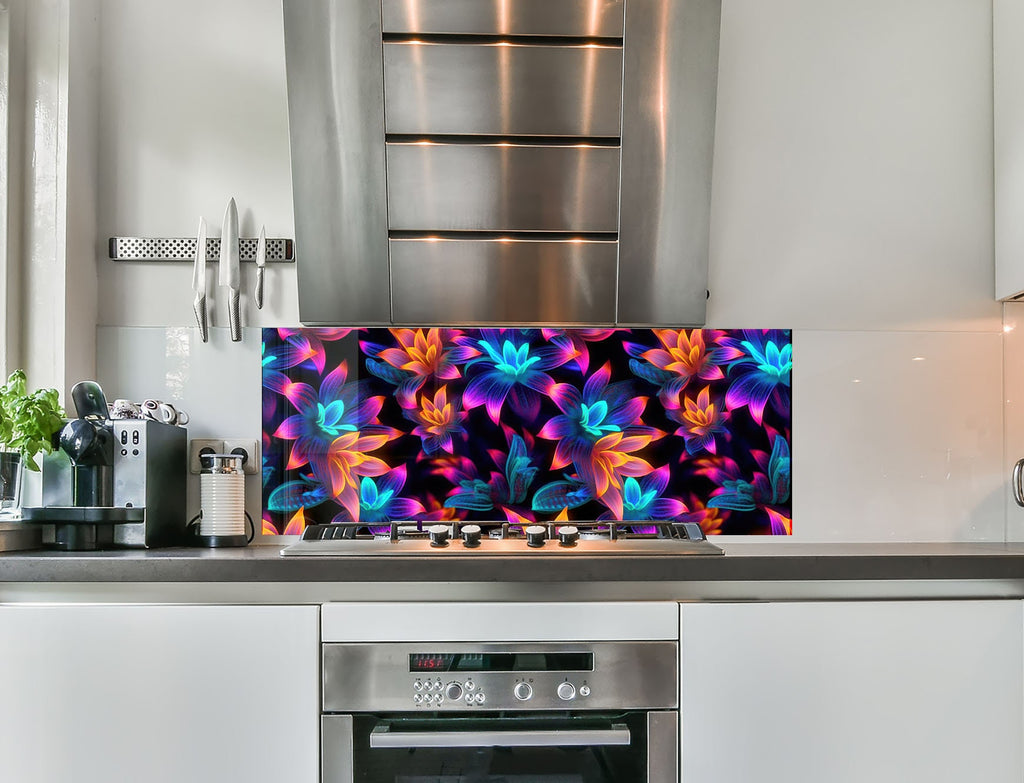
261	262
199	281
229	273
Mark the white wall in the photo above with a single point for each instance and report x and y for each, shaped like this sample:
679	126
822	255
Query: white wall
852	203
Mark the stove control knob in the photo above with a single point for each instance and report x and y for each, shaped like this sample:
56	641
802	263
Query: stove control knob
522	691
566	691
471	535
535	535
438	535
453	692
568	535
584	690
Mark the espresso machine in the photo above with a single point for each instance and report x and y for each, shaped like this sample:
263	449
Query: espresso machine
112	483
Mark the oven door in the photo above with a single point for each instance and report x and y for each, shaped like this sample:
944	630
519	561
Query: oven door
630	747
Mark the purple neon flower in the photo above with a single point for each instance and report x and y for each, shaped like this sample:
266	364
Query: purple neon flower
510	368
380	501
587	416
764	366
642	498
573	344
322	416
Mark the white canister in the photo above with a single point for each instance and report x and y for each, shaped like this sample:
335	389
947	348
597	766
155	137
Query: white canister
222	499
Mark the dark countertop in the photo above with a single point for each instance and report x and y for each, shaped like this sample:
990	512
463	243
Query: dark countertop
767	561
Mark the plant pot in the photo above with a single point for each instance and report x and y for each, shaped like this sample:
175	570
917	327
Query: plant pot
11	469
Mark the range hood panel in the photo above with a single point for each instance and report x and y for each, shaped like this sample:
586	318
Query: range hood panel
502	89
502	188
502	282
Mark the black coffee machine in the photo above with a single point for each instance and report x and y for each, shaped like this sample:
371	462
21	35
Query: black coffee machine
112	482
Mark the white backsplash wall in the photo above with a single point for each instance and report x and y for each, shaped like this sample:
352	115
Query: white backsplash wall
216	383
852	203
1013	395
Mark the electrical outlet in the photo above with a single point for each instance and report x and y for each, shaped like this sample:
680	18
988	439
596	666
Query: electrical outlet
198	446
249	449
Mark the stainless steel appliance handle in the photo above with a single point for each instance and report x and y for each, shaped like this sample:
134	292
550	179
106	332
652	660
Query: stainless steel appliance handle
1018	485
383	737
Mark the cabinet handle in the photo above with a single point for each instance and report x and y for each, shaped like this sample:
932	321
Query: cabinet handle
382	737
1018	482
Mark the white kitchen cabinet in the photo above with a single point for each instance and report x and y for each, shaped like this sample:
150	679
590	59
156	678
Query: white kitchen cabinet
1008	132
161	694
848	692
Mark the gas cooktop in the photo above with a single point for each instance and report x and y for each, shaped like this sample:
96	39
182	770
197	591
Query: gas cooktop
456	539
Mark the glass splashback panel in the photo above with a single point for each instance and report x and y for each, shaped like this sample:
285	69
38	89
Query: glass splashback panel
520	425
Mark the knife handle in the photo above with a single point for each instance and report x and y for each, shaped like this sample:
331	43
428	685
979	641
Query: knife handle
234	317
199	306
258	293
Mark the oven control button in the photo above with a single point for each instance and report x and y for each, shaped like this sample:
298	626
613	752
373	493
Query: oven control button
566	691
438	698
568	535
417	686
417	699
471	536
470	685
479	698
469	698
438	535
453	691
535	535
584	690
522	691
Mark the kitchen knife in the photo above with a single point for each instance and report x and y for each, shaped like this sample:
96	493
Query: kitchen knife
229	275
261	262
199	281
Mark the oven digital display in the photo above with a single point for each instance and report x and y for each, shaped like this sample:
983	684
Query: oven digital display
502	662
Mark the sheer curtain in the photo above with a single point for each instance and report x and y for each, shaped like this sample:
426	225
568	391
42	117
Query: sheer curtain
48	151
6	324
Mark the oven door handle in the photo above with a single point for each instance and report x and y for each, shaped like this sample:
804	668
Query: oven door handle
383	737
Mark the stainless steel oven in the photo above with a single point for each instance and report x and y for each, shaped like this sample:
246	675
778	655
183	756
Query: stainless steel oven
517	712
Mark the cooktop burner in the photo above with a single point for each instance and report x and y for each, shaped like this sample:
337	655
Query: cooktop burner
500	538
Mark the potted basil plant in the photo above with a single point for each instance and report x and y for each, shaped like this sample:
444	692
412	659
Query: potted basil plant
28	423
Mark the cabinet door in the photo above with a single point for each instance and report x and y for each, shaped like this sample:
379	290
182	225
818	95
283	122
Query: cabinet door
1008	127
162	694
852	692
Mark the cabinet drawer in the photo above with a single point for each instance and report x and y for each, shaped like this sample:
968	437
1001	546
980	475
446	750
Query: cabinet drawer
600	18
503	281
502	89
502	187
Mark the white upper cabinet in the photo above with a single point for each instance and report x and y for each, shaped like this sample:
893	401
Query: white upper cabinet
1008	112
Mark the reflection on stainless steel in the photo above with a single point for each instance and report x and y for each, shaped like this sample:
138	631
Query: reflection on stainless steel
626	675
436	88
336	749
336	121
663	751
501	187
668	129
460	280
593	18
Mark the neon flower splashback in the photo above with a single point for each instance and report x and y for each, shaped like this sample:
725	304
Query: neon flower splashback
519	425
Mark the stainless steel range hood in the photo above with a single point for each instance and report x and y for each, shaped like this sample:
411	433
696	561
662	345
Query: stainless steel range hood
502	161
